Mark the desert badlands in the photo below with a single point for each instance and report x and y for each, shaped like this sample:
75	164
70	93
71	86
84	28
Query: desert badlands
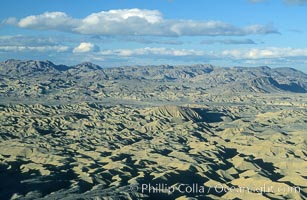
152	132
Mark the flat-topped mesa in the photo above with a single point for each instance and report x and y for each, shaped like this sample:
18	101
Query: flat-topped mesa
177	112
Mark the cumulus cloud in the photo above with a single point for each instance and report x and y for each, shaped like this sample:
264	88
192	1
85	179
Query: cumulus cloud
56	48
265	53
228	41
136	22
49	21
85	47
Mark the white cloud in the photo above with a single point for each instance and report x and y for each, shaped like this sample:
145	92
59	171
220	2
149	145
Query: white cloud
136	22
57	48
265	53
23	40
48	20
85	47
10	21
148	51
254	55
228	41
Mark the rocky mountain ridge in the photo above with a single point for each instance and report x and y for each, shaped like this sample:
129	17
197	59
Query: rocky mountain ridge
36	79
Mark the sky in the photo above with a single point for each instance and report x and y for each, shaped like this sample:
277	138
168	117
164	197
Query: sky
114	33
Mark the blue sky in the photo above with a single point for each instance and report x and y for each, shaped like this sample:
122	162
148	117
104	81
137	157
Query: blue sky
136	32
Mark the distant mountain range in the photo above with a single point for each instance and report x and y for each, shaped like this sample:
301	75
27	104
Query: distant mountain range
36	78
